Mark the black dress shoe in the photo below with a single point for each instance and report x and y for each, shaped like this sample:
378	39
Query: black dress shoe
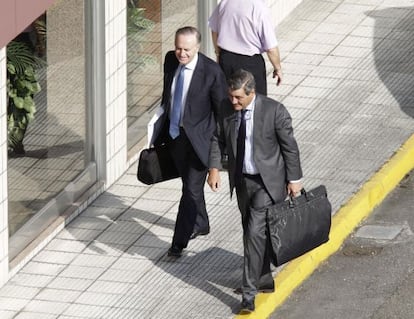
201	232
239	290
175	251
247	306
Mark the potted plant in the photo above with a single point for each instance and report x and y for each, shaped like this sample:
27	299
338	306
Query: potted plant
22	85
138	27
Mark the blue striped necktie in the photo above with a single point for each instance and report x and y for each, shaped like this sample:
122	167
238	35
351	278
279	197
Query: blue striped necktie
176	107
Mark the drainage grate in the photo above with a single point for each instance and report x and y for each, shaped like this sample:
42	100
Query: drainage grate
379	232
369	240
356	250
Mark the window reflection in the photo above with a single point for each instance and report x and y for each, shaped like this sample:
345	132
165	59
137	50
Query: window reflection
54	141
151	29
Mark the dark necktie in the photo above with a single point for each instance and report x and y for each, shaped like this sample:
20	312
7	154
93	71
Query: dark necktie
176	107
241	138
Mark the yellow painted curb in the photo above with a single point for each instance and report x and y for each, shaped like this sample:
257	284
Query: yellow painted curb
344	222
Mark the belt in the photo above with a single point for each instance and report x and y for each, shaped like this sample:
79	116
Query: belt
235	53
251	176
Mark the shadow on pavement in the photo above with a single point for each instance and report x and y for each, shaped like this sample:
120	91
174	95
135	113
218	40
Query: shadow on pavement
135	236
394	53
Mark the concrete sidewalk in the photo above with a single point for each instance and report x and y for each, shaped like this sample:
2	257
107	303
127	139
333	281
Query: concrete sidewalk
348	82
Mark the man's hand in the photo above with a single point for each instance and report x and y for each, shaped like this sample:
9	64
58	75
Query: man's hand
274	58
213	179
277	74
294	188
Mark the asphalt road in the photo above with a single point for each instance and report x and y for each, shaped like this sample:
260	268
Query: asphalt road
372	276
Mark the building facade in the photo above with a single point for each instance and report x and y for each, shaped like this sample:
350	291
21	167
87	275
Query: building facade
74	124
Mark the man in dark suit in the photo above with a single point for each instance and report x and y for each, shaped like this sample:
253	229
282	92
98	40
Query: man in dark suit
194	88
263	166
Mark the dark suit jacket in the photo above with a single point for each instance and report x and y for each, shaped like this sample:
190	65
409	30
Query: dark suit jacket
275	150
206	92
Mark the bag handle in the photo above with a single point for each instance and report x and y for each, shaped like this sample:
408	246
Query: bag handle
292	199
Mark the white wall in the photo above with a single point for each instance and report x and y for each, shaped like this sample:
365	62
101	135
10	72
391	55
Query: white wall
116	89
4	233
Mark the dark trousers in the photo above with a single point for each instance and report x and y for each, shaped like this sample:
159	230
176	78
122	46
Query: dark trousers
252	198
231	62
192	213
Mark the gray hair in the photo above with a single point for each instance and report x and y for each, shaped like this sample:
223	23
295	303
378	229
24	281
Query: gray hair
242	79
189	30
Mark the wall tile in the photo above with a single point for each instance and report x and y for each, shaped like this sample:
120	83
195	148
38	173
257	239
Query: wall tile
116	86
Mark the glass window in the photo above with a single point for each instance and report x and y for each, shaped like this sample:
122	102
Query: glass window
151	30
47	148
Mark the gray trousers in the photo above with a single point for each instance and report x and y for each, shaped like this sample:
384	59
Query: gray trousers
252	198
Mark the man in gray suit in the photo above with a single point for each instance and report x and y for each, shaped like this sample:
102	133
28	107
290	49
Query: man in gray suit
263	166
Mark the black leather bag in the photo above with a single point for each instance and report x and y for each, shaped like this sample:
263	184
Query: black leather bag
299	224
156	165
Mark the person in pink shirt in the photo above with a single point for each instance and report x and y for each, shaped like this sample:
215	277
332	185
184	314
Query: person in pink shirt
241	32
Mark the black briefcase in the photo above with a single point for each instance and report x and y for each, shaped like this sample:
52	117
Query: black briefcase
299	224
156	165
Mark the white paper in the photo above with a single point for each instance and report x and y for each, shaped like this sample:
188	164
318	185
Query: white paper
150	127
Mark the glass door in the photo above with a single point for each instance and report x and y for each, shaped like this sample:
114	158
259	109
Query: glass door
52	164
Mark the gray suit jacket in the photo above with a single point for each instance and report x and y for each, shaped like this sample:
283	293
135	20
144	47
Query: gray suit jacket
275	150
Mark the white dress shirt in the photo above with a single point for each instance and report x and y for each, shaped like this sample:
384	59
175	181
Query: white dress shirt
188	75
249	167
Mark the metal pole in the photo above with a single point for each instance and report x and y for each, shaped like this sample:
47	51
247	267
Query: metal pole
96	84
